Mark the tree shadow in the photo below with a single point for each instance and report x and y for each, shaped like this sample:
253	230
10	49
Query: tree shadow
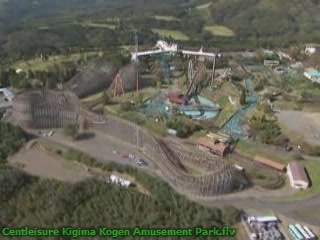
309	178
85	136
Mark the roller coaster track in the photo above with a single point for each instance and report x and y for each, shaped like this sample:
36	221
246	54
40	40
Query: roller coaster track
217	182
170	160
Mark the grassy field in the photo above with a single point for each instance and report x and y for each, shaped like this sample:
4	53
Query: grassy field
261	177
227	111
219	30
177	35
220	96
127	47
93	97
96	25
166	18
254	148
285	105
313	168
40	64
203	6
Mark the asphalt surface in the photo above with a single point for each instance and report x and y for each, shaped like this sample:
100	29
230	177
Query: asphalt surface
290	208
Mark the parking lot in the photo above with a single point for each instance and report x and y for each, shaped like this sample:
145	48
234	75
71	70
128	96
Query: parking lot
101	147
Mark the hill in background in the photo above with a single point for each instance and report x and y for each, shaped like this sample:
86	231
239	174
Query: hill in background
51	26
266	18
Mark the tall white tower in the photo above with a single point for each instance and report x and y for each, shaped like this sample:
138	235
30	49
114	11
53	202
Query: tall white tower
136	46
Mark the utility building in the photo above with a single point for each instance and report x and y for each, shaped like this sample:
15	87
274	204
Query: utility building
213	146
297	175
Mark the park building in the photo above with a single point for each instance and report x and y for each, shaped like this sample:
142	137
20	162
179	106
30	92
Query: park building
214	146
297	175
270	163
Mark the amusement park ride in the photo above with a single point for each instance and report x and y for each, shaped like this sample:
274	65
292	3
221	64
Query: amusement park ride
164	47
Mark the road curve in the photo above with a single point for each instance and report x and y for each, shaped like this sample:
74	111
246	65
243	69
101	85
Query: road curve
290	208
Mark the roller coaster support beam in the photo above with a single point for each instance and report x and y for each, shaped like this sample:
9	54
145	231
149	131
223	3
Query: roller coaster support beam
213	72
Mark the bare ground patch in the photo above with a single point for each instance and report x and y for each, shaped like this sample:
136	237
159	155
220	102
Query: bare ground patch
38	162
301	125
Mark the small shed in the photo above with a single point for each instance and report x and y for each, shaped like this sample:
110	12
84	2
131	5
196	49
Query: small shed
297	175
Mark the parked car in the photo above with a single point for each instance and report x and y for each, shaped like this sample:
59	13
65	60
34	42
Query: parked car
141	162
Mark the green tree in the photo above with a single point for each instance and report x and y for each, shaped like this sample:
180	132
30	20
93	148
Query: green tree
50	83
12	138
125	107
71	130
105	98
139	98
231	215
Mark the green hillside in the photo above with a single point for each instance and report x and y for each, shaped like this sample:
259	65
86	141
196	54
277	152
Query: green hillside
267	18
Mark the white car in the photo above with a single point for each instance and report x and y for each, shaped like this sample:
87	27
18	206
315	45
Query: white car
141	162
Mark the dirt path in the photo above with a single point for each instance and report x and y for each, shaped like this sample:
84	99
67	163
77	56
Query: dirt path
38	162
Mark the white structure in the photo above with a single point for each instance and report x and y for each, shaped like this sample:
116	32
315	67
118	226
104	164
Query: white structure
164	47
264	219
7	93
238	167
297	175
302	231
19	70
253	236
312	48
310	233
120	181
199	53
284	55
172	131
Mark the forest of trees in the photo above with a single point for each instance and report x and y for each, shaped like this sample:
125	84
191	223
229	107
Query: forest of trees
11	139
